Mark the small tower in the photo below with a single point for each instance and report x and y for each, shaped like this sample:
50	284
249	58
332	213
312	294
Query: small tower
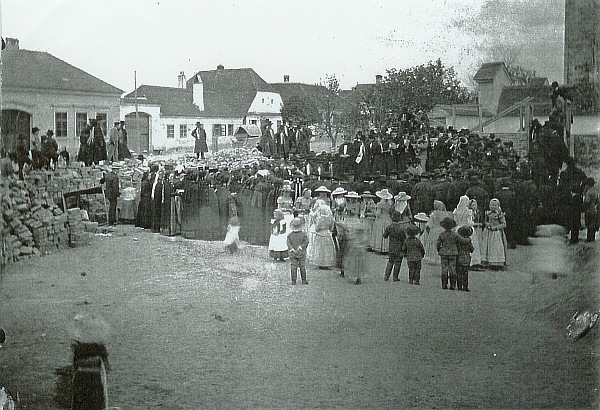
181	80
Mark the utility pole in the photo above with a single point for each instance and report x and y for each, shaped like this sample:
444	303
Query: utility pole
137	114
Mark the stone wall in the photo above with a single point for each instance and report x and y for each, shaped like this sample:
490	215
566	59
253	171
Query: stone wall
587	150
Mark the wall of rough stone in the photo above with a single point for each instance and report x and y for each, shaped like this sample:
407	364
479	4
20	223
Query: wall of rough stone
587	150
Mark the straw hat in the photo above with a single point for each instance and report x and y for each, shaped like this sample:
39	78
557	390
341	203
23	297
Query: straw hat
402	197
367	194
421	217
384	194
323	188
352	194
339	191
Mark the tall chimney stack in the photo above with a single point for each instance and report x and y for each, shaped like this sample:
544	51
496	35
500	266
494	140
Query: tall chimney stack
286	78
181	80
12	43
378	79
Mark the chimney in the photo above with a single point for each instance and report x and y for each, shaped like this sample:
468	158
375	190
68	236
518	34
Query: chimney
220	67
181	80
198	93
286	78
378	79
12	43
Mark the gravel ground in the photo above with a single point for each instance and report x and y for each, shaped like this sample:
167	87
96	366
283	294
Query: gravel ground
191	327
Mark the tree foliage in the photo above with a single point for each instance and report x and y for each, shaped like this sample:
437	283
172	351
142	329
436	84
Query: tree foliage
299	109
329	104
417	88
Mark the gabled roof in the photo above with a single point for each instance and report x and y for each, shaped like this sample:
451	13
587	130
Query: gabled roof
512	95
312	91
40	70
488	71
358	93
172	101
229	92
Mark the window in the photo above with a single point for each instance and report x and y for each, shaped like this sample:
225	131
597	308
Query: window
60	124
223	130
230	129
271	101
101	117
170	131
80	122
263	100
182	130
253	122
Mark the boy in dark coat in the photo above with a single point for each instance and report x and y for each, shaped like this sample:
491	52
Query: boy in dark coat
394	231
297	242
413	251
463	261
447	247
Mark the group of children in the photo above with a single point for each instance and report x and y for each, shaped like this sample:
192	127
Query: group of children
454	249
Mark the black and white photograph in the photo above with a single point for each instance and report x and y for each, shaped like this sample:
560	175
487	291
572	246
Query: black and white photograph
285	204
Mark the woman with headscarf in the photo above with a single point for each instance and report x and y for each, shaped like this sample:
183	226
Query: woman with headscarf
321	249
493	252
476	237
433	229
382	220
463	216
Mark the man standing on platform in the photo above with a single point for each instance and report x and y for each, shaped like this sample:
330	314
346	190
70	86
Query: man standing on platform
200	146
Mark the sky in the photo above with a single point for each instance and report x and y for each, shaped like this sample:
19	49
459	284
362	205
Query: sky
305	39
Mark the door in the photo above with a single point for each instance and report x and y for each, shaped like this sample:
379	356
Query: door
138	132
14	122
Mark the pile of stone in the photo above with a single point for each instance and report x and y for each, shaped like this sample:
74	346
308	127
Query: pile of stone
32	223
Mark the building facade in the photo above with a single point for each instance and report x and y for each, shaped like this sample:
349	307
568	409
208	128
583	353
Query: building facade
222	100
40	90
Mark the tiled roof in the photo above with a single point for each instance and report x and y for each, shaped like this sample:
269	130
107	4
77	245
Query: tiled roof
488	71
172	101
358	93
312	91
229	92
40	70
512	95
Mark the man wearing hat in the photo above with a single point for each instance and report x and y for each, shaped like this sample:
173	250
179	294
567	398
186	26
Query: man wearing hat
200	146
111	193
49	150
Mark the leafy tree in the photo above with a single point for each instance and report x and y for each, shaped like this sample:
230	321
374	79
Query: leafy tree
300	109
418	88
329	106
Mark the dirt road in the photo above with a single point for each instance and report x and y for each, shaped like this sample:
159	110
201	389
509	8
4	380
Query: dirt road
191	327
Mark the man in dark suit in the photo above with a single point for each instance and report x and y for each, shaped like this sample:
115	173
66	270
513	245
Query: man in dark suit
111	192
347	156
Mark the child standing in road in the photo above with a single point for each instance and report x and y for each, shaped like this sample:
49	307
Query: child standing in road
414	251
463	261
394	231
297	241
447	247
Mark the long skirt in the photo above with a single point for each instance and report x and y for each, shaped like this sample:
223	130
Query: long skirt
429	240
378	242
493	250
321	251
143	218
476	241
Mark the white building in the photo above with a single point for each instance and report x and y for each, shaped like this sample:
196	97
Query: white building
222	100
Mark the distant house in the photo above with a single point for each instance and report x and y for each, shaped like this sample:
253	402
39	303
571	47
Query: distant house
40	90
496	94
222	100
314	92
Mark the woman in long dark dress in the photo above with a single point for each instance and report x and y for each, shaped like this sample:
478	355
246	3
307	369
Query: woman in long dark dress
144	214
